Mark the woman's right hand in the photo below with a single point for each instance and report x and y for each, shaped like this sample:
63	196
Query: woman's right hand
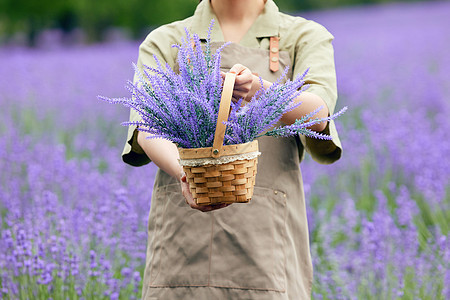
190	200
244	85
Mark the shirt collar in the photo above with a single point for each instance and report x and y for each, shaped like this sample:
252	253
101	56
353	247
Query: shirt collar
266	25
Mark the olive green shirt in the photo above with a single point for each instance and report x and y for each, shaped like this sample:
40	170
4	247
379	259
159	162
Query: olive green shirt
307	42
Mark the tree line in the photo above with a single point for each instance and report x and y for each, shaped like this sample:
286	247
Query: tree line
95	17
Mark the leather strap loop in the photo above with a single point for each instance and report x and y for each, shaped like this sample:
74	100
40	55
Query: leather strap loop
274	53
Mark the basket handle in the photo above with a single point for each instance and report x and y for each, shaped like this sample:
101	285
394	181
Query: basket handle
224	111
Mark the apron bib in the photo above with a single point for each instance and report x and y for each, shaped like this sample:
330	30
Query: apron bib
255	250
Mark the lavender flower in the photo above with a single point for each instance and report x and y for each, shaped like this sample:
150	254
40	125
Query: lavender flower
60	174
183	108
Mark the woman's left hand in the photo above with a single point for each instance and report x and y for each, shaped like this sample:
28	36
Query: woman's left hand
243	84
190	200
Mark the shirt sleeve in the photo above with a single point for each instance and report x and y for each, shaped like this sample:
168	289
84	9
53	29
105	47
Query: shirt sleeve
157	43
314	51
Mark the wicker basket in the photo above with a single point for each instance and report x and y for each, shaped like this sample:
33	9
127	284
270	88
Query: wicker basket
221	174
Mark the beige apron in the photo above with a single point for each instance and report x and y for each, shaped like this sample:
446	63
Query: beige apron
258	250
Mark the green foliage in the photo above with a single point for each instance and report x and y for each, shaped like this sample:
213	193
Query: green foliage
94	17
136	16
30	16
304	5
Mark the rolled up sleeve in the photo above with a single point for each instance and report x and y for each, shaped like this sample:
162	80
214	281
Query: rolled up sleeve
159	43
314	51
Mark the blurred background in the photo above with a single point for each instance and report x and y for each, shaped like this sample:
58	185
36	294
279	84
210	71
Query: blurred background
23	21
73	216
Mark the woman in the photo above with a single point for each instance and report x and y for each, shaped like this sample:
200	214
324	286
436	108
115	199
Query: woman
258	250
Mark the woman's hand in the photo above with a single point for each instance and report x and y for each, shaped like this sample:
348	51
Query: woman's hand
190	200
247	84
244	84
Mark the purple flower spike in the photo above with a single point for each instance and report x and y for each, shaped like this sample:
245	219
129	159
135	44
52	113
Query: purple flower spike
183	107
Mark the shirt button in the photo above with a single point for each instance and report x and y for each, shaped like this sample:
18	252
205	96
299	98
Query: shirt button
274	49
274	59
275	192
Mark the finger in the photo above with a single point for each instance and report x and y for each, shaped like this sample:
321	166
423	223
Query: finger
207	208
191	202
235	100
240	94
242	88
186	192
243	81
237	69
219	206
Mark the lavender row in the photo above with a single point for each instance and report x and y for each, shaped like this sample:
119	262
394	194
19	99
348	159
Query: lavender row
69	224
380	229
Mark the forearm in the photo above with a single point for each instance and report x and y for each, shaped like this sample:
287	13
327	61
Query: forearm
310	102
162	152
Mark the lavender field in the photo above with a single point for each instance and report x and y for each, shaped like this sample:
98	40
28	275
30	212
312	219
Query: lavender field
73	216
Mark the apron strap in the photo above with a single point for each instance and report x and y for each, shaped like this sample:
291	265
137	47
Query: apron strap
274	56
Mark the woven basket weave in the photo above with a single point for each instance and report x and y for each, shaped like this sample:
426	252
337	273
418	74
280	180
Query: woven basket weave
221	174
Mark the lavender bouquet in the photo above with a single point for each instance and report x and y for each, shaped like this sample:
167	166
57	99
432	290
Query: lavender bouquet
183	107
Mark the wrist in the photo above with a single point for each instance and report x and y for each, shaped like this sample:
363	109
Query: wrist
180	175
256	85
